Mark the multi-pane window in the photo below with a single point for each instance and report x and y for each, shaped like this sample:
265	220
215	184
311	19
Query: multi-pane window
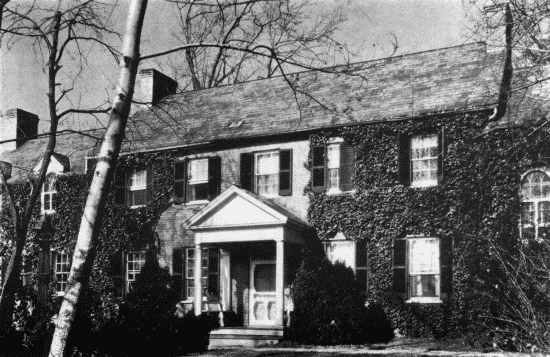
134	263
138	188
333	167
210	273
49	194
535	195
424	157
350	253
61	270
197	179
424	268
267	173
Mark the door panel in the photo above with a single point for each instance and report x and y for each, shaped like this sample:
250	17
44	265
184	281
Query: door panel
262	293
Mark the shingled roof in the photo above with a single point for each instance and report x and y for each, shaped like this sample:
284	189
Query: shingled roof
444	80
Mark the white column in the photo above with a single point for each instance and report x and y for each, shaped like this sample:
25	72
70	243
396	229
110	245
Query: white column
279	283
198	279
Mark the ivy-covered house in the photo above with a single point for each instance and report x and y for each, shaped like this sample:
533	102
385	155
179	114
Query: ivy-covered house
391	163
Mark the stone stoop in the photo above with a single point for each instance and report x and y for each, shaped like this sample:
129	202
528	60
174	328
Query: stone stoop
245	336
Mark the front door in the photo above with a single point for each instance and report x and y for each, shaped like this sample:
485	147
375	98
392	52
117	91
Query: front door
262	293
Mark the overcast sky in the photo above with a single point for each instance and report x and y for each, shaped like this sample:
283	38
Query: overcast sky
418	25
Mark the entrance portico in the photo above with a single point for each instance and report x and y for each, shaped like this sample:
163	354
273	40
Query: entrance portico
257	241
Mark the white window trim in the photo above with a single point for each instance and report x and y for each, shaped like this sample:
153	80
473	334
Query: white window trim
339	238
422	183
202	201
256	154
43	195
535	202
141	187
423	299
204	253
57	273
127	280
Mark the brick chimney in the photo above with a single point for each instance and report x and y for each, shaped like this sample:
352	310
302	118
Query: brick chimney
154	86
17	126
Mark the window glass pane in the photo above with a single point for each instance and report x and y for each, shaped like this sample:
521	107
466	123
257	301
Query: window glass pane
198	171
424	285
342	251
333	182
138	198
264	277
198	192
138	180
134	263
333	156
544	212
267	163
536	184
424	158
528	213
424	256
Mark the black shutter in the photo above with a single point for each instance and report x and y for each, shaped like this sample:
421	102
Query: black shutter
120	187
149	173
347	166
247	171
400	267
178	272
90	164
446	266
404	160
180	167
441	156
285	173
214	177
118	273
318	168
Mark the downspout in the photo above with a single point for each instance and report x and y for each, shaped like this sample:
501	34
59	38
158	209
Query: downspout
507	71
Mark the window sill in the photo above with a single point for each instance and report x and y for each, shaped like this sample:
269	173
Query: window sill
135	207
197	202
338	192
423	184
424	300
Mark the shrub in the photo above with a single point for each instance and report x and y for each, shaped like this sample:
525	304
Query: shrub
329	308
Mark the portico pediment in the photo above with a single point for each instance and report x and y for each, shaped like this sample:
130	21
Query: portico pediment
236	207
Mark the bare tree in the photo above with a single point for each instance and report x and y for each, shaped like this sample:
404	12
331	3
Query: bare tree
58	33
293	30
522	28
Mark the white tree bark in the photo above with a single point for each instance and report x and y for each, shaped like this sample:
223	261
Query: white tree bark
108	155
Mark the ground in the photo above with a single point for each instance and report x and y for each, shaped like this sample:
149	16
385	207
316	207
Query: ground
402	347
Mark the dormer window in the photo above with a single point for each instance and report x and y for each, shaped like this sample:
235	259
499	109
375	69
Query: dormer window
49	194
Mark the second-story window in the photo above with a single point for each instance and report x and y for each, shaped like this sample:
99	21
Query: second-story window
133	188
268	173
197	180
332	167
421	159
138	188
266	176
49	194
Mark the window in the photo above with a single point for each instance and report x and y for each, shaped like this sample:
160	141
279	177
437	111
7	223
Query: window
183	272
62	267
268	173
422	268
421	159
138	188
350	253
134	188
332	167
134	263
210	273
266	177
535	197
49	194
197	180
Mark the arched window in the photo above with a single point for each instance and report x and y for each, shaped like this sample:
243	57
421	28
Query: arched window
535	197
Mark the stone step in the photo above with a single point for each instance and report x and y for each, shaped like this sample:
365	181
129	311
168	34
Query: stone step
244	336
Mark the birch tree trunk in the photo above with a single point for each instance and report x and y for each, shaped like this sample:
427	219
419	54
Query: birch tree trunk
108	155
